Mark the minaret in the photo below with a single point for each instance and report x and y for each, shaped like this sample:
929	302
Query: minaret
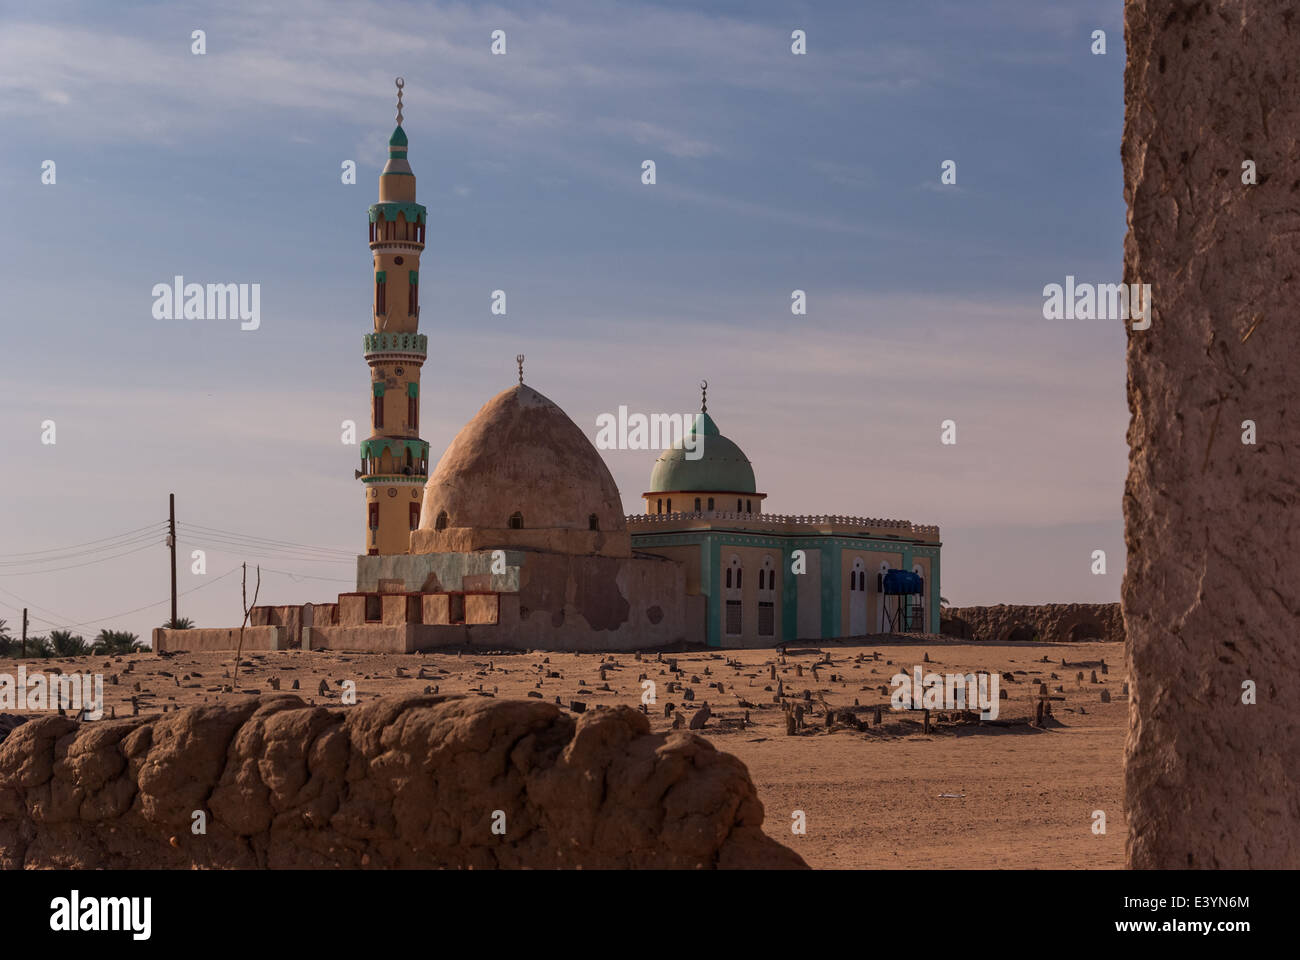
394	460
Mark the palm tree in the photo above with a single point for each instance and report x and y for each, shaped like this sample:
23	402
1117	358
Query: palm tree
39	647
180	623
116	641
6	641
68	644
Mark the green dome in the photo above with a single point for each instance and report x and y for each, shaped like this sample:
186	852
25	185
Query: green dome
723	467
398	139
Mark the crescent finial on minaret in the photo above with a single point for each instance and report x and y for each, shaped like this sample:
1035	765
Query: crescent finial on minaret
520	360
400	83
704	396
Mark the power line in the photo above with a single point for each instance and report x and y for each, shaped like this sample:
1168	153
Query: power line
35	606
19	611
243	550
263	545
78	546
230	535
64	625
34	573
304	576
159	603
149	536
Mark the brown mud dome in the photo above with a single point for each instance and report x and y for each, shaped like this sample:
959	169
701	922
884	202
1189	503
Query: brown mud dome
399	781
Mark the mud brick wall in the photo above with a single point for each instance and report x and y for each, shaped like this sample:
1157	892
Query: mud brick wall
395	782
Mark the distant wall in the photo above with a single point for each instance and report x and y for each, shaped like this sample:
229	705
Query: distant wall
1046	622
216	638
291	619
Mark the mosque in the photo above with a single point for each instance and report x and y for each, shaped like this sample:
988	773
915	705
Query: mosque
518	540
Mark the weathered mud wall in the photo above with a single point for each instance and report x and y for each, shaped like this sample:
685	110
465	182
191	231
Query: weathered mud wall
1212	589
397	782
1046	622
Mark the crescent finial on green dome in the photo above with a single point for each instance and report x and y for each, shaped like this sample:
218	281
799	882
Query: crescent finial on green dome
398	139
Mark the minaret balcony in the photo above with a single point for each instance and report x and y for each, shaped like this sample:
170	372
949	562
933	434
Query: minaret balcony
394	457
405	346
397	225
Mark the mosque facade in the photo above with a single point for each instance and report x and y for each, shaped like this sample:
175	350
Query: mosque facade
518	539
776	578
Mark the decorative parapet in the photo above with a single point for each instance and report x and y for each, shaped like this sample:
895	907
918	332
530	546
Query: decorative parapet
397	446
414	343
827	523
413	212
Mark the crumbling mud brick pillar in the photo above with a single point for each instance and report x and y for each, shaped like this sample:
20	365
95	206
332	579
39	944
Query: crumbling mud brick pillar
1212	590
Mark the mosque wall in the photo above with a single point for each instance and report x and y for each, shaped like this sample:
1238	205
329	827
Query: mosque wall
757	627
874	599
367	638
436	608
482	607
560	602
809	596
435	572
609	543
688	555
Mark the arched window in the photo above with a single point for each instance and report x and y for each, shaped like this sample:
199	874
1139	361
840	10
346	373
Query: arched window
670	504
516	521
749	506
441	522
767	598
738	504
661	504
733	621
697	504
593	522
710	503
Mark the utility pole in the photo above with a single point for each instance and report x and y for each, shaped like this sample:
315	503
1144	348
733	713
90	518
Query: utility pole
24	631
171	542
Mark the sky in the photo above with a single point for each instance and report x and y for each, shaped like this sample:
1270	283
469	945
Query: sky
775	172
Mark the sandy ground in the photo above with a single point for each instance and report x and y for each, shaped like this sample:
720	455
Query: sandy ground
1025	796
